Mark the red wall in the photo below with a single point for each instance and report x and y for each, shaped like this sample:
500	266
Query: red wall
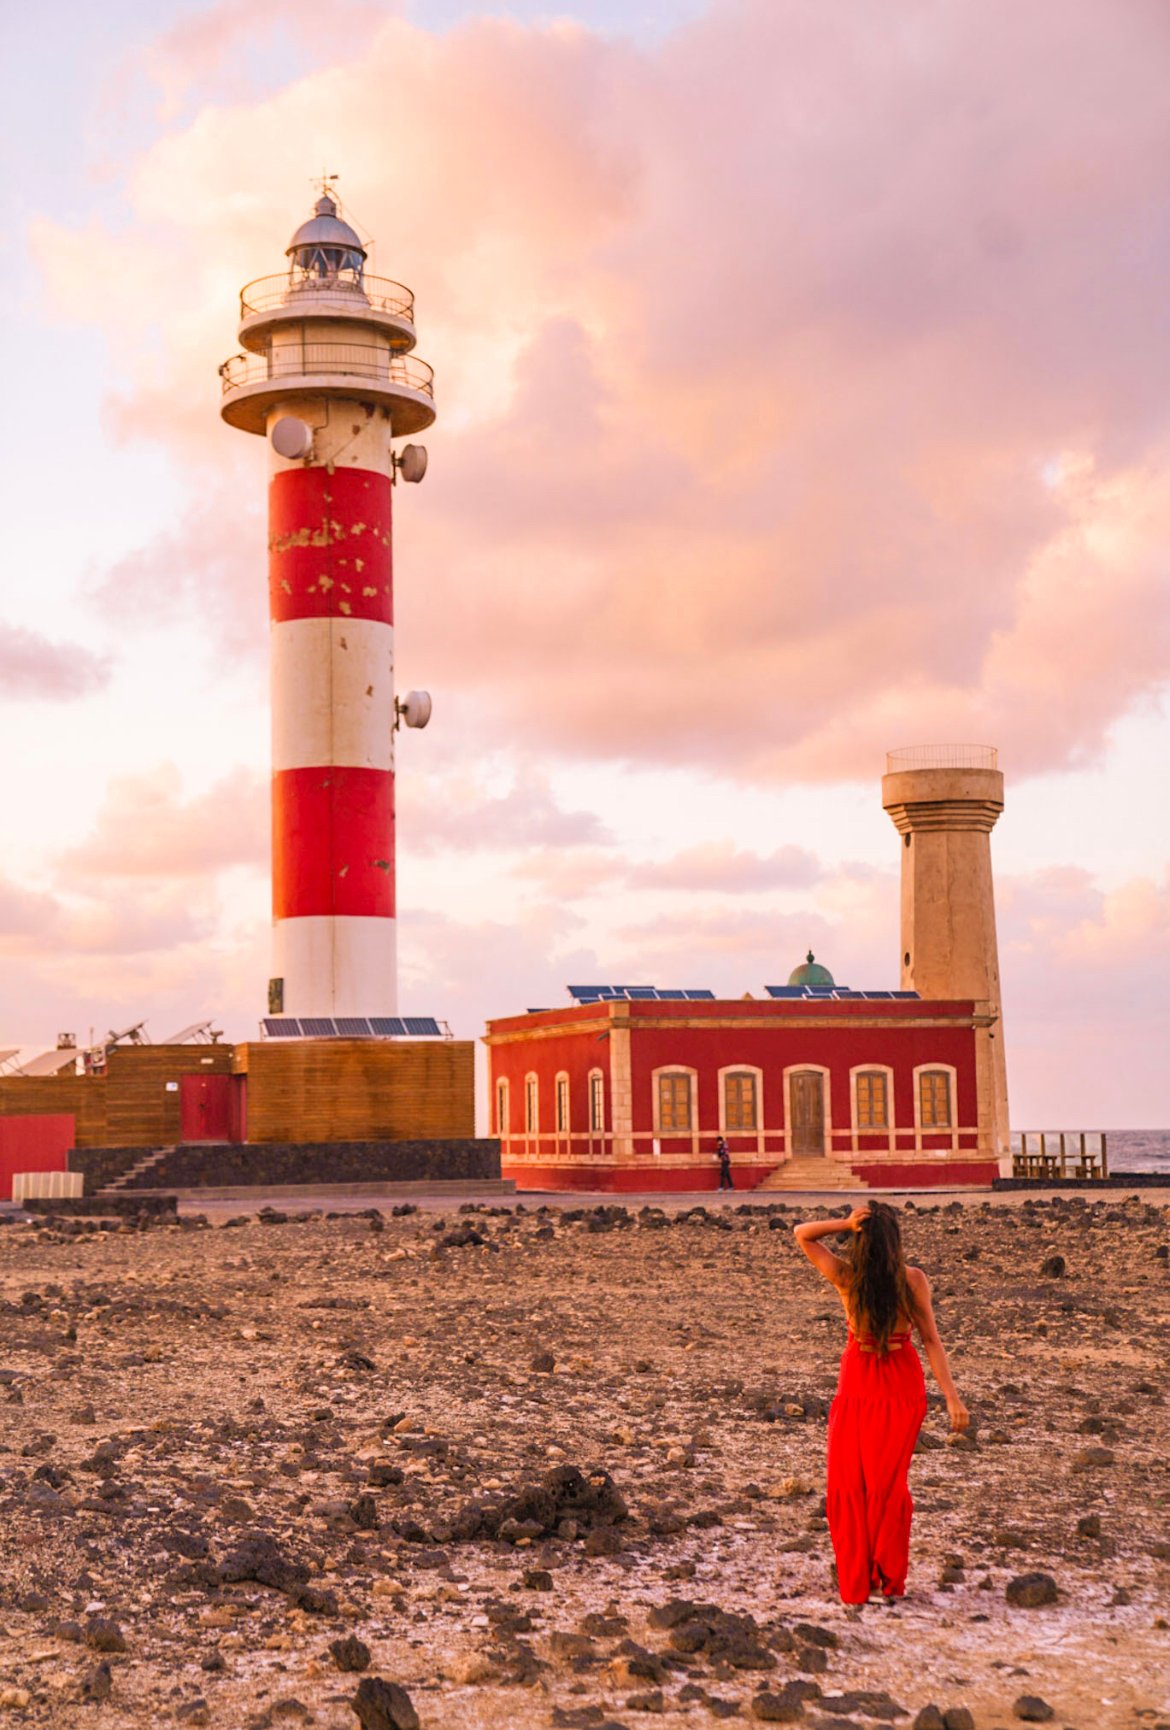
33	1144
837	1042
575	1054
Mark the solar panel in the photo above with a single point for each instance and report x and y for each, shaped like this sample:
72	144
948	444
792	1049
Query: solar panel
420	1025
640	993
318	1026
387	1026
51	1062
353	1026
914	994
672	996
281	1027
700	996
586	993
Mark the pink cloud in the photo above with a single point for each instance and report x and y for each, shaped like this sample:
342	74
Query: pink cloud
834	422
723	868
451	812
33	667
146	829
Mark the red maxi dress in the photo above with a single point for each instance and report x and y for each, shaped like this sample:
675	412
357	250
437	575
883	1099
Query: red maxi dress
874	1422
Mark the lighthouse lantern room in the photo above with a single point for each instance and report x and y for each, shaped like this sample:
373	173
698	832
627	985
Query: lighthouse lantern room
327	375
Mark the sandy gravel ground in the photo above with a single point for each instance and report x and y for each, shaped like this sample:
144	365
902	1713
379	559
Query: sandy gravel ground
564	1467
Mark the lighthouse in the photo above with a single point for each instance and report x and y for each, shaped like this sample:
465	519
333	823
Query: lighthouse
328	378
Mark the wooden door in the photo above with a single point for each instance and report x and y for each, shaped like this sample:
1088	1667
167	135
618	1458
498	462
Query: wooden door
205	1107
807	1093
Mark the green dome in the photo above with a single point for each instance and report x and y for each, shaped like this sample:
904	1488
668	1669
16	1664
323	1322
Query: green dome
811	973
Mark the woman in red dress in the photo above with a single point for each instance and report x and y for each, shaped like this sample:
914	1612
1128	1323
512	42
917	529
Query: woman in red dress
881	1396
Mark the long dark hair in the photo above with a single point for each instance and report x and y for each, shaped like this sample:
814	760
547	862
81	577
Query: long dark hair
878	1289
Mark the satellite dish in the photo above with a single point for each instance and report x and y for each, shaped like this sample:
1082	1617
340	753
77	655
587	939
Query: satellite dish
291	438
415	708
412	462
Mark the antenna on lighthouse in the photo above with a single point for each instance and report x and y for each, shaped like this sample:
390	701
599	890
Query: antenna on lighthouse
411	463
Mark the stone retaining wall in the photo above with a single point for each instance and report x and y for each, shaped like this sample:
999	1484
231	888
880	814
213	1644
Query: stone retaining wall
230	1165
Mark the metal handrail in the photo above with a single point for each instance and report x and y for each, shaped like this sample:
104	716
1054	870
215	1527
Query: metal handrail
379	293
942	757
362	360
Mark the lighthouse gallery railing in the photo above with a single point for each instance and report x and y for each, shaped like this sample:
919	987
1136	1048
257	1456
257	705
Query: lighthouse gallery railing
347	359
379	293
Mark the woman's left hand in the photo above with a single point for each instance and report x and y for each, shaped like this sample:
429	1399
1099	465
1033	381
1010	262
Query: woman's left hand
854	1222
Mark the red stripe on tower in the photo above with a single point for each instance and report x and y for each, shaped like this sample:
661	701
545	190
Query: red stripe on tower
329	547
332	843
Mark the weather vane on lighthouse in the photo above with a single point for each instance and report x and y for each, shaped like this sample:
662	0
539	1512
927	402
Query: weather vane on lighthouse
328	378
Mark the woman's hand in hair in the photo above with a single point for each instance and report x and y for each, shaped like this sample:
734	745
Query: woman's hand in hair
857	1217
960	1416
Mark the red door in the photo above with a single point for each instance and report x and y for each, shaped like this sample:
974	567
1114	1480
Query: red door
205	1107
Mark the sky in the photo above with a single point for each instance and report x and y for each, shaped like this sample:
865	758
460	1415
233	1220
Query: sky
803	372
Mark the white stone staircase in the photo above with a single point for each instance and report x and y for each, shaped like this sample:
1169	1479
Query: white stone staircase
132	1177
808	1171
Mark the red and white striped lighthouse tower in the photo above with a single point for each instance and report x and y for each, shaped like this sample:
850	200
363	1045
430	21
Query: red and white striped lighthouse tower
329	380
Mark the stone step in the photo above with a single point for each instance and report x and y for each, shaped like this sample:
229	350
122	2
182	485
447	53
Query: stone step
810	1173
128	1179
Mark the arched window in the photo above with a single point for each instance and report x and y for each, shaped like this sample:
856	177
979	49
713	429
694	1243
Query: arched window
562	1104
597	1102
741	1106
531	1105
871	1099
935	1110
501	1108
674	1102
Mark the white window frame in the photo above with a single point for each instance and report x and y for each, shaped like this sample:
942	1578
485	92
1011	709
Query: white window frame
503	1108
531	1105
676	1134
951	1129
757	1132
888	1129
596	1129
562	1091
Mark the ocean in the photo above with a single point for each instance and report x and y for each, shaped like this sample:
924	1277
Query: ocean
1139	1150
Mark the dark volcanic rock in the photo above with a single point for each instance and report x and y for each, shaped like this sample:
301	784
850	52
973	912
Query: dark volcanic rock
1031	1591
383	1706
99	1684
1032	1709
930	1718
259	1557
958	1718
103	1635
350	1654
1053	1267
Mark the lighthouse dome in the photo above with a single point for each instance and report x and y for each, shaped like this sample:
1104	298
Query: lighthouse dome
325	246
810	972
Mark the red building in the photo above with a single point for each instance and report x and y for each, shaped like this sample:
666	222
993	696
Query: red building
632	1092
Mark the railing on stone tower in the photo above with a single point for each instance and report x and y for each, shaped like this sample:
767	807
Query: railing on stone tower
942	757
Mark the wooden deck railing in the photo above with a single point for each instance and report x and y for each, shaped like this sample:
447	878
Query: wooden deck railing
1060	1153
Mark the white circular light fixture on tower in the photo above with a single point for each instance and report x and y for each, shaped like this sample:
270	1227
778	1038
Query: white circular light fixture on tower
415	708
411	462
291	438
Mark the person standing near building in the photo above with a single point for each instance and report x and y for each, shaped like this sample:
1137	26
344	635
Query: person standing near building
723	1155
881	1396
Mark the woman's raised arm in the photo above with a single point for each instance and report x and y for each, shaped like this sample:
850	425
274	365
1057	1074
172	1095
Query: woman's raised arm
826	1261
936	1354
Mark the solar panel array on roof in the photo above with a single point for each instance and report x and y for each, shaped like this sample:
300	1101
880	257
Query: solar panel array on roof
351	1027
635	994
838	993
51	1062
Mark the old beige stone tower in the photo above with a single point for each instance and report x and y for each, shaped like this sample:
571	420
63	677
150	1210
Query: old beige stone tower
944	801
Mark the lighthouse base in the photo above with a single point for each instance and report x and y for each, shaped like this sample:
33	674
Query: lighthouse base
336	966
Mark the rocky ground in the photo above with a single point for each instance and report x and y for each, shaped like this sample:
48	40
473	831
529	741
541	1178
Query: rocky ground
564	1467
